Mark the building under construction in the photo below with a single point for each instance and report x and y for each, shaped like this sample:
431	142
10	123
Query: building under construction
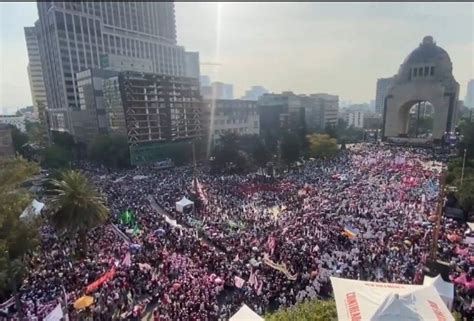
162	114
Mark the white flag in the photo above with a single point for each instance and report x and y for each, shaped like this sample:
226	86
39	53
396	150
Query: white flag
56	314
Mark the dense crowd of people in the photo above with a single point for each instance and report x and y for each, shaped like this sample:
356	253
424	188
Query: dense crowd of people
270	242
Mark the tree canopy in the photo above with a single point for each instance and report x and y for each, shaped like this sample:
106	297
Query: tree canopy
17	236
110	150
76	205
316	310
290	149
322	146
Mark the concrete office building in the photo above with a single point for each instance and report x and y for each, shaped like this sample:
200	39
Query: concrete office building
327	109
383	85
288	111
35	71
469	100
91	120
218	90
37	87
254	93
232	116
73	36
157	112
191	63
354	119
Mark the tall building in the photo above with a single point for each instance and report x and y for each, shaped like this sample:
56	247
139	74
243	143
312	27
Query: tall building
35	71
383	85
327	106
288	111
37	87
232	116
191	63
157	112
73	36
254	93
217	90
469	100
354	118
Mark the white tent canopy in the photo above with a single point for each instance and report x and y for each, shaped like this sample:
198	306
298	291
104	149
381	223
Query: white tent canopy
183	204
445	289
246	314
377	301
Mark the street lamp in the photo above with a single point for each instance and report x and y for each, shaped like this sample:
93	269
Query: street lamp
463	165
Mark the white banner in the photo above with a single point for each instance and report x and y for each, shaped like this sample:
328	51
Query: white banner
56	314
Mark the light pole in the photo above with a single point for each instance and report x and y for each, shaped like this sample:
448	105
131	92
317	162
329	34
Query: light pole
463	165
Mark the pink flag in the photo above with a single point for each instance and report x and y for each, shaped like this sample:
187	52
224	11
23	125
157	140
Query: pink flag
259	290
127	261
239	282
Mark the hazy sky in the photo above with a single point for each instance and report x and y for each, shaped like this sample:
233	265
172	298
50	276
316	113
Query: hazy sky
338	48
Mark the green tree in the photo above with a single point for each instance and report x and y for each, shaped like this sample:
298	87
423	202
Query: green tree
316	310
56	157
466	194
17	236
322	146
290	149
260	154
110	150
227	156
76	206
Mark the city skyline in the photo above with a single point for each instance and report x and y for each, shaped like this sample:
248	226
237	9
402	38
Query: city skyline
353	44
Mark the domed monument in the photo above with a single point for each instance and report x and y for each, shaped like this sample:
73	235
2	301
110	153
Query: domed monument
426	75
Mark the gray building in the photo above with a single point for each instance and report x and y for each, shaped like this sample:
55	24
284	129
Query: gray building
73	36
217	90
37	87
232	116
469	100
191	63
35	71
158	113
288	111
254	93
90	119
383	85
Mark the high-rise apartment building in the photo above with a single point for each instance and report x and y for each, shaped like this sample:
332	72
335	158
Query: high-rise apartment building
469	100
383	85
191	63
74	36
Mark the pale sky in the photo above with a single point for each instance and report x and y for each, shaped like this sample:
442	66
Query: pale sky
338	48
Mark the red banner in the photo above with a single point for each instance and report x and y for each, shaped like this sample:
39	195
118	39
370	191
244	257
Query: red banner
103	279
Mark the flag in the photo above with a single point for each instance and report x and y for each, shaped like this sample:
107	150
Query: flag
259	289
239	282
136	230
350	232
56	314
127	218
127	261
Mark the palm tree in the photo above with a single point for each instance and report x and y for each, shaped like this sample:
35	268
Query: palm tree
77	205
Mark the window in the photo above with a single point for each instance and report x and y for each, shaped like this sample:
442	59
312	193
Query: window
415	70
420	71
427	71
432	71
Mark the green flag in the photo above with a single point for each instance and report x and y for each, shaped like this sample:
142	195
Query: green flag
136	231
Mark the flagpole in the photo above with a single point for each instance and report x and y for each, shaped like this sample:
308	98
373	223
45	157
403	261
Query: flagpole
194	169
